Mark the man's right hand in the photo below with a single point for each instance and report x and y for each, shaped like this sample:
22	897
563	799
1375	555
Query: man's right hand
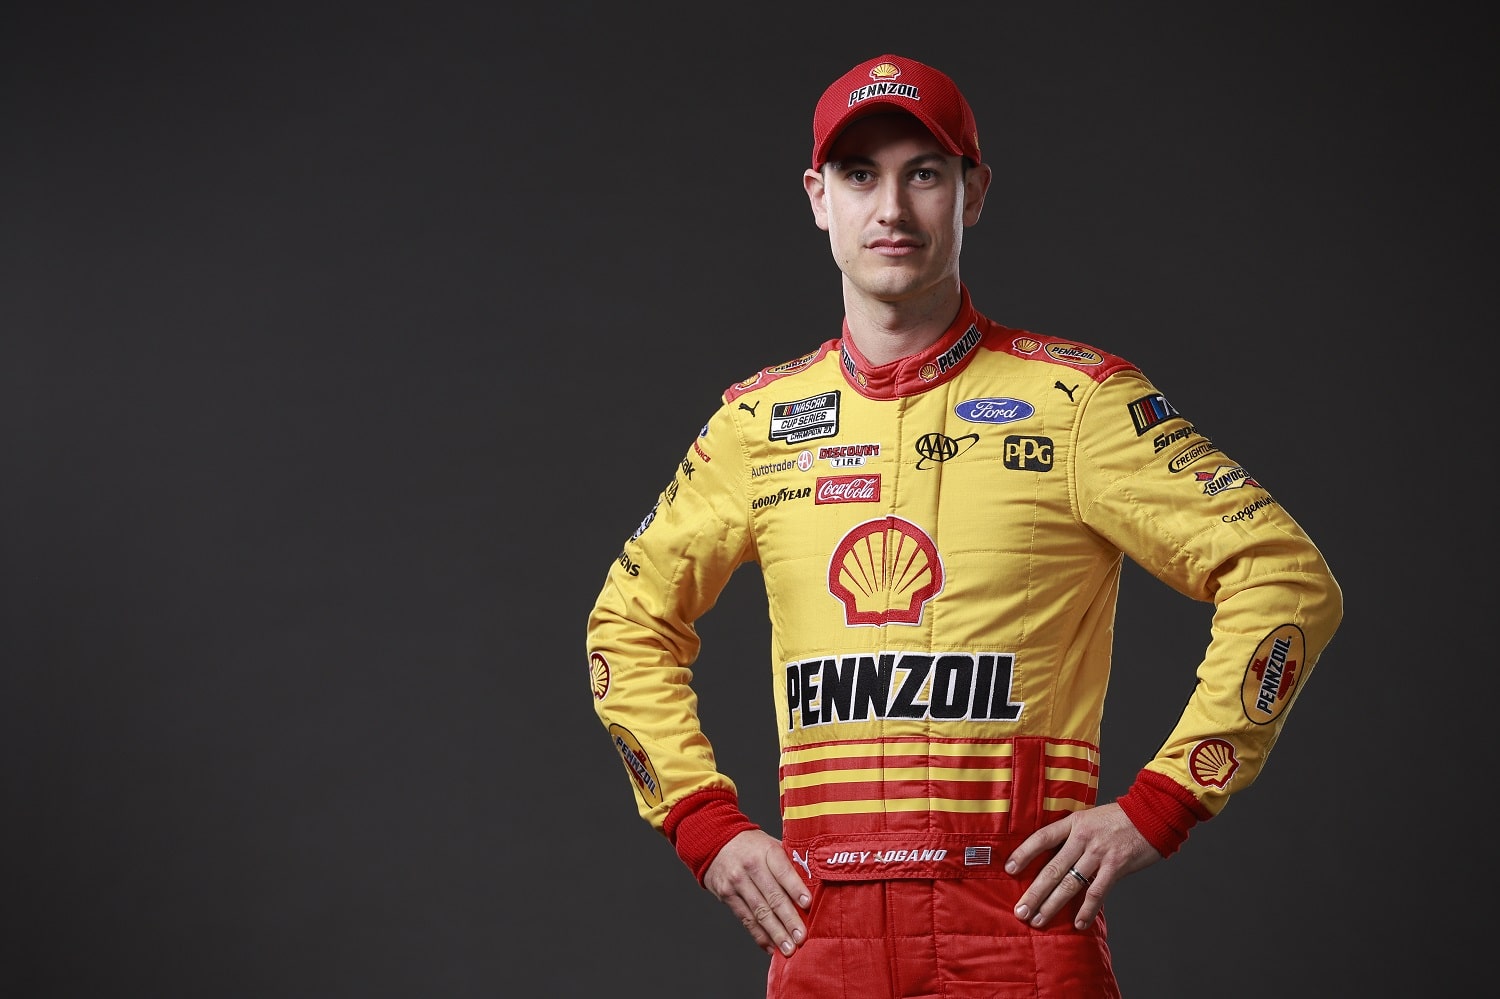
753	876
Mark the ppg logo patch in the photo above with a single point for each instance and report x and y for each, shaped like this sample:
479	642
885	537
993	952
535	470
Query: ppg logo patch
1028	454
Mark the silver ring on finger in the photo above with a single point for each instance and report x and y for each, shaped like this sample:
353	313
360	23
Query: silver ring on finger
1085	881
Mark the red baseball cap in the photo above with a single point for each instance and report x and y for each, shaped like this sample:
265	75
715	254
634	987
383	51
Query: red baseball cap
893	82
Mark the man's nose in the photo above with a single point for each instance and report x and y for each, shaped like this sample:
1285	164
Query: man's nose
892	203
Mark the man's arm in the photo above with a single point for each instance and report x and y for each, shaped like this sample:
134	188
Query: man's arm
642	645
1168	497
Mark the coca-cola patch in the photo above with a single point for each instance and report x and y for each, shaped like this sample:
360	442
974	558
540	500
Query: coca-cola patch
847	489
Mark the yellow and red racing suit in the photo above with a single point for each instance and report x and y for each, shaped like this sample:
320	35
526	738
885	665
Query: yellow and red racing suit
941	540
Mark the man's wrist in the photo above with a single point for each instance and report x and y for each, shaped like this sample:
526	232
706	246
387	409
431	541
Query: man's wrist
1163	810
701	824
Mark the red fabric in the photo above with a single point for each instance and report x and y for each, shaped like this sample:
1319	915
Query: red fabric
894	82
954	938
700	824
1162	810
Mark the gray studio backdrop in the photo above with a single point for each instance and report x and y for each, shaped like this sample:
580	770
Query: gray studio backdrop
344	346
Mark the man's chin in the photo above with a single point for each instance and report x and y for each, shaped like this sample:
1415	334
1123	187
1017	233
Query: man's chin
892	288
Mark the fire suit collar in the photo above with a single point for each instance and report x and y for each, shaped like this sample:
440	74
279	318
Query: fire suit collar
918	372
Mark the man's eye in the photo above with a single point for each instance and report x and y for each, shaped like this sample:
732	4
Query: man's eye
859	176
926	175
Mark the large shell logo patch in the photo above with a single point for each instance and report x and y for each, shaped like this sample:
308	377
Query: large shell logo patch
1213	762
598	675
884	571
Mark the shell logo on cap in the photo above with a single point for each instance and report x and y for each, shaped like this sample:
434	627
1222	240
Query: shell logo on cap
885	71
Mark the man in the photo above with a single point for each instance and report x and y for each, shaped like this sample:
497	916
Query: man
939	506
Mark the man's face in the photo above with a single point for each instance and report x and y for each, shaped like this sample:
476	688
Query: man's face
895	204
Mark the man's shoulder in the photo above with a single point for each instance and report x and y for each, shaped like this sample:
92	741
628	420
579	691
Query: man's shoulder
1055	350
775	373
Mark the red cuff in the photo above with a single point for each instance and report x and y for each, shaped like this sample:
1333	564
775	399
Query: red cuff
700	824
1162	810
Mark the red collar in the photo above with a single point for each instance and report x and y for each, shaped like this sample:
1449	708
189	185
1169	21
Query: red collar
916	372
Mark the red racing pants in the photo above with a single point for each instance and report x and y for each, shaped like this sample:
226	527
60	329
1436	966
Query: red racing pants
943	938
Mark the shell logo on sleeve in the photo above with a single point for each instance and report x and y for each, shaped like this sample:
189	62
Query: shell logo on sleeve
598	675
884	571
1212	762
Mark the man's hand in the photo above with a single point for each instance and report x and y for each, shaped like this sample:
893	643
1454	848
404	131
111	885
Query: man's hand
1095	848
752	876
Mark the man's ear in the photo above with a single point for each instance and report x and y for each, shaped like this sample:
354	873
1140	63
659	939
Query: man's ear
976	183
817	194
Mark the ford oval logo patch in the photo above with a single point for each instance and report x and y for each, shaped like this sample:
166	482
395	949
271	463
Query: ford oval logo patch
994	410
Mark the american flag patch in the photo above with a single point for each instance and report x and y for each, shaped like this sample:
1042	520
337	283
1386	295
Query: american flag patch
976	856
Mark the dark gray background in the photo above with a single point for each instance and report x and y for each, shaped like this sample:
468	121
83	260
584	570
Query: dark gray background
344	345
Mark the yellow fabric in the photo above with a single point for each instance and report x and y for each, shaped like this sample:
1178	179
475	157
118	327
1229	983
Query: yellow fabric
1028	520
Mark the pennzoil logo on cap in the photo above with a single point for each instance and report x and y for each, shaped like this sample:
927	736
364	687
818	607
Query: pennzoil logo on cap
885	85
